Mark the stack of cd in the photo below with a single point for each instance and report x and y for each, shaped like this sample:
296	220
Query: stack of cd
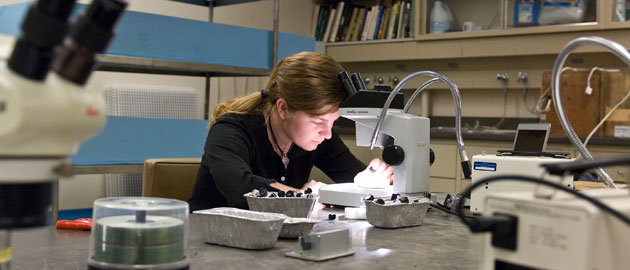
139	233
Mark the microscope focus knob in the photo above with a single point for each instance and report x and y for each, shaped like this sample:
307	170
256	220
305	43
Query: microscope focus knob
393	155
431	157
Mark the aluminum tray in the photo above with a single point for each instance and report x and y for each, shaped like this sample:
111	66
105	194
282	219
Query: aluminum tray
396	215
240	228
299	207
296	227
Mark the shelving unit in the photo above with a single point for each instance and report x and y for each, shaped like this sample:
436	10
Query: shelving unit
501	41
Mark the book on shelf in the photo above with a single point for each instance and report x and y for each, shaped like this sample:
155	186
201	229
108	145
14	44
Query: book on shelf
314	19
331	18
351	24
346	21
401	21
335	22
366	25
405	21
360	23
379	20
412	19
392	18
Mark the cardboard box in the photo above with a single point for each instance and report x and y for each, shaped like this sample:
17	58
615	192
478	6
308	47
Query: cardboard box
620	118
584	111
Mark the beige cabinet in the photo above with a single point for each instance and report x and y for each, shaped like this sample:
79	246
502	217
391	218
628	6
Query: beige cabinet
618	173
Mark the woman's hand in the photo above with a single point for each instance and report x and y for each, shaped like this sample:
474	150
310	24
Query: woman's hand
313	185
377	175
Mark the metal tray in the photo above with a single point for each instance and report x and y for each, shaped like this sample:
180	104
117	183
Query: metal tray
240	228
397	215
299	207
296	227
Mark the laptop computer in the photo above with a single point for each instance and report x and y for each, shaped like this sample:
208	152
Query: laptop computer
531	140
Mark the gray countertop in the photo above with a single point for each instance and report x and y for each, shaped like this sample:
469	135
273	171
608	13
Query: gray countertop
441	242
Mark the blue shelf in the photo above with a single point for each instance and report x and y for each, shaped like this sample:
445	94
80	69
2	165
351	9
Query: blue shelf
131	140
162	44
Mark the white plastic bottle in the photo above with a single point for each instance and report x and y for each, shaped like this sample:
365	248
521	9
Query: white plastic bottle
441	18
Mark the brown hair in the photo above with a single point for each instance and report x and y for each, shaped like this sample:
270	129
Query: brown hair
307	81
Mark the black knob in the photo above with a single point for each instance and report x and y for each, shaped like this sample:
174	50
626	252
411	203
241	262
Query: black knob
393	155
380	80
431	156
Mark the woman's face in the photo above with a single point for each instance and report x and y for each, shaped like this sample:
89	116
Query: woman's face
308	131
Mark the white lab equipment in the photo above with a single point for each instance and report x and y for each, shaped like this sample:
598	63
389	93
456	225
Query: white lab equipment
405	138
486	165
563	232
44	121
581	230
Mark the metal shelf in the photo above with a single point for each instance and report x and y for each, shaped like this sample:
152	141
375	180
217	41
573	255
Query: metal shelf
158	66
216	3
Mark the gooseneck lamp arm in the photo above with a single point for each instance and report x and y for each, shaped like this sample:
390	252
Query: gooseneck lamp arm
458	108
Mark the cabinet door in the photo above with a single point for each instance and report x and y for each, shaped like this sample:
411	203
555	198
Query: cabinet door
443	171
445	159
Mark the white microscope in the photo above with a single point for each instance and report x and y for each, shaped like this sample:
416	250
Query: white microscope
44	119
405	138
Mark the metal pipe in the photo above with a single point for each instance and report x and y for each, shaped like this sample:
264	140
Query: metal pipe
210	10
276	14
613	47
458	112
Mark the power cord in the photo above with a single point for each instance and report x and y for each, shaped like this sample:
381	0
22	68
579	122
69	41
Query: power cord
446	209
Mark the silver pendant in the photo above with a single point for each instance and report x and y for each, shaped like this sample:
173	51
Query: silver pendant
285	161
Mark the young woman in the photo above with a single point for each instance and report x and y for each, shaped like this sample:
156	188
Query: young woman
272	138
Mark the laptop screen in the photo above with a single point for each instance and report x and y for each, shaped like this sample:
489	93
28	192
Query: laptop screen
531	137
530	140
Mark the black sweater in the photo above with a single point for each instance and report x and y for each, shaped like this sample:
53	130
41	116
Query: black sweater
238	158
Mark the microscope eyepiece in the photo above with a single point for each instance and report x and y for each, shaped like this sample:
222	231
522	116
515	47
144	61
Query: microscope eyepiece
346	83
44	27
91	34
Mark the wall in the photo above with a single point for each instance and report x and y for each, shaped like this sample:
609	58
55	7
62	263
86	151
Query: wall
482	94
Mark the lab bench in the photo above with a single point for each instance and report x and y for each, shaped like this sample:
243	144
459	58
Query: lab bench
441	242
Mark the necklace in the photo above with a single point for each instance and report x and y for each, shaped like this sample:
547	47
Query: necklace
285	159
